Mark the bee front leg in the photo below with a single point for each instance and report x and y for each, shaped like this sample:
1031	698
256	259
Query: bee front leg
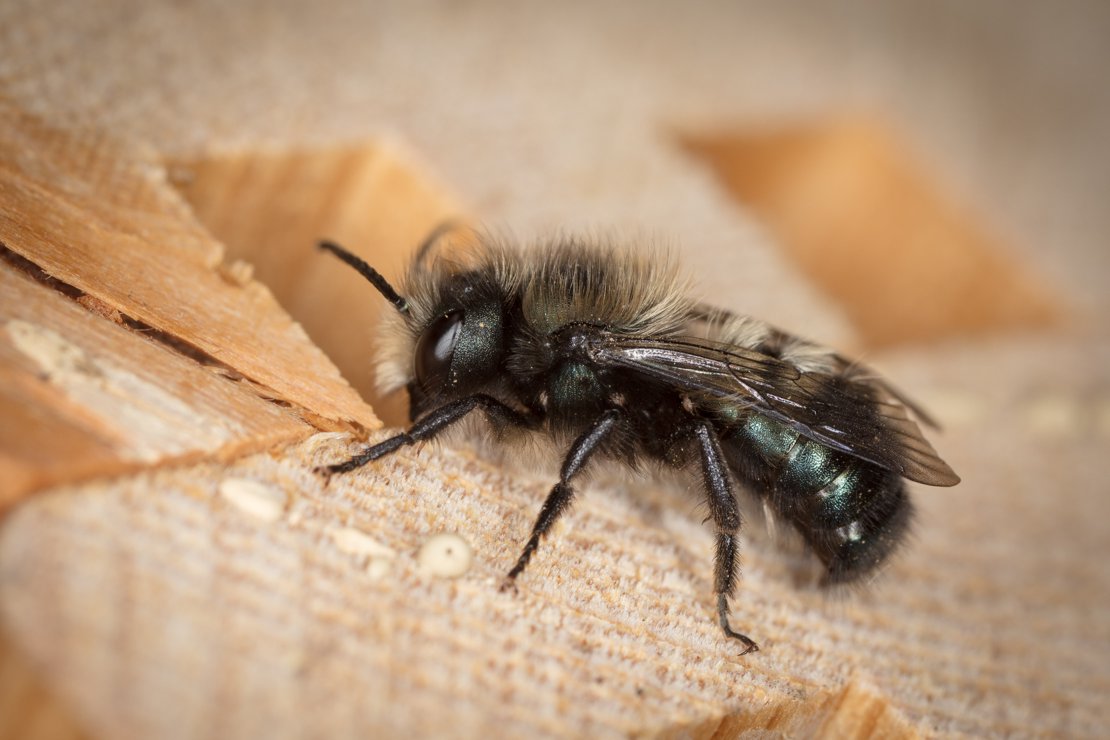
726	516
561	495
432	424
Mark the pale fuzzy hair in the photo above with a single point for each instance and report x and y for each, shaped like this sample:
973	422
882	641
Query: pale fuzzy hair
740	331
560	282
809	357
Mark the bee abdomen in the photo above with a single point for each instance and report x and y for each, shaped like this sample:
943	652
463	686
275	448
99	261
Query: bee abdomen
858	547
807	481
851	513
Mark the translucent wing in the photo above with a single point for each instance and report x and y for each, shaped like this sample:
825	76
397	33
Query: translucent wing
862	417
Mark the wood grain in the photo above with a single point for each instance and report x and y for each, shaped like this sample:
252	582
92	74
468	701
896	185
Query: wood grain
201	581
102	220
271	207
272	595
128	341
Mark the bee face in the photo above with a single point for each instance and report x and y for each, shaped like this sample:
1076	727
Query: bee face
603	347
458	351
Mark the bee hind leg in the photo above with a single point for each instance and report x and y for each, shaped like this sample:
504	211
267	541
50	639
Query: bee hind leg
726	516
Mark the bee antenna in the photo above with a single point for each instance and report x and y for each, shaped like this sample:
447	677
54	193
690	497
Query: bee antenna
373	276
432	240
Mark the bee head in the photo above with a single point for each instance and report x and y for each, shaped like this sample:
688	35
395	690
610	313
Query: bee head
460	349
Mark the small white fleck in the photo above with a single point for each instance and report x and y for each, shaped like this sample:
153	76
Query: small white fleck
55	355
445	555
252	497
356	542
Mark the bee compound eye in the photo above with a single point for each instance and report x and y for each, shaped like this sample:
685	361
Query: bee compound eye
435	350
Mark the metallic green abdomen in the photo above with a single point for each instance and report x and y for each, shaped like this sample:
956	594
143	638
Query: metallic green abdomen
824	488
851	512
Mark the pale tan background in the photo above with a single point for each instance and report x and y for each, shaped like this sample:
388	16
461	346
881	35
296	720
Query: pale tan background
545	117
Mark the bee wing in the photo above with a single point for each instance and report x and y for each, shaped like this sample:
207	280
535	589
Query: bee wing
862	417
707	315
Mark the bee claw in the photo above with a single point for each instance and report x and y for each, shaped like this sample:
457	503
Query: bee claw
749	644
722	613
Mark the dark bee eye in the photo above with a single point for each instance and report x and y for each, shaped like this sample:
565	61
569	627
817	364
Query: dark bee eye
435	350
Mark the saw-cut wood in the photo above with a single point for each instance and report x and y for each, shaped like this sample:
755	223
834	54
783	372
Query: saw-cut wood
127	340
241	567
271	207
100	219
86	396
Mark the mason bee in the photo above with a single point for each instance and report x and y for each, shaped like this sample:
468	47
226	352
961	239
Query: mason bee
602	350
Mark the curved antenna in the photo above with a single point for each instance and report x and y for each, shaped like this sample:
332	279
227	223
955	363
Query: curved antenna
427	247
373	276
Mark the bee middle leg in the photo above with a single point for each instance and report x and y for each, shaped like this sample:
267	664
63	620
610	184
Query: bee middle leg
726	516
562	493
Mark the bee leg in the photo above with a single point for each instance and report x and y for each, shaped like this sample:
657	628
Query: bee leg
432	424
561	495
726	515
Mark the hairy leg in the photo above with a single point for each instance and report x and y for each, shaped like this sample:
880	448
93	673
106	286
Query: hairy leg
432	424
561	495
726	516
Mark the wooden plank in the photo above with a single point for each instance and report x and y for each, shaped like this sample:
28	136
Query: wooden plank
257	601
271	206
240	597
84	396
100	218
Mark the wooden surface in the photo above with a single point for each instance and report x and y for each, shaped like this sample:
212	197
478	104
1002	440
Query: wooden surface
138	342
171	567
271	207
